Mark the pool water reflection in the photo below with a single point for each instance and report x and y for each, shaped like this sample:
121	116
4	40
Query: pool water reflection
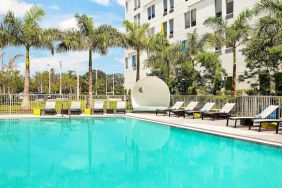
123	152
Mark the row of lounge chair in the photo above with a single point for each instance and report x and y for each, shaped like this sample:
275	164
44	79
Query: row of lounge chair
224	112
75	108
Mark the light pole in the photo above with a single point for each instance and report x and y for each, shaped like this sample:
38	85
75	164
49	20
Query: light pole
49	90
96	83
77	83
2	57
60	77
113	84
106	86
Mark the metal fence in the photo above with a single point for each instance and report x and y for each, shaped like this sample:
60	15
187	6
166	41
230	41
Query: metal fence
11	104
245	105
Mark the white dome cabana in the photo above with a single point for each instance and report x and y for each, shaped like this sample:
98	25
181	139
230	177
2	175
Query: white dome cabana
149	94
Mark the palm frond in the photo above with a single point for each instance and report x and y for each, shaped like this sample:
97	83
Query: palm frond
33	15
216	23
85	24
272	7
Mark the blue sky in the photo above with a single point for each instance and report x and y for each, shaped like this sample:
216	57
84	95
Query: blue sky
60	14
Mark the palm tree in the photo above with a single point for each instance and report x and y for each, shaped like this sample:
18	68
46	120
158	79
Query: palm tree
271	7
195	46
91	39
28	33
271	24
232	35
136	39
167	59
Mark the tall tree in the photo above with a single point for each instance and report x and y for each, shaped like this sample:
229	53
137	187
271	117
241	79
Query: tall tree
164	63
94	40
263	50
195	46
212	71
231	35
137	39
28	33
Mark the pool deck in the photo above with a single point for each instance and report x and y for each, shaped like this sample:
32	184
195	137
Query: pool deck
216	127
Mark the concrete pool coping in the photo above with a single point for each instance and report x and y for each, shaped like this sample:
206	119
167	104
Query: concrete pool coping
207	126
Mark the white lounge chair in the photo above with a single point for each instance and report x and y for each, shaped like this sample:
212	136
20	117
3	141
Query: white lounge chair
98	107
249	120
190	107
121	107
206	108
50	108
224	112
75	108
176	106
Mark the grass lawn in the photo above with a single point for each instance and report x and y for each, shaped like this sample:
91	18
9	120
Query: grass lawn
16	107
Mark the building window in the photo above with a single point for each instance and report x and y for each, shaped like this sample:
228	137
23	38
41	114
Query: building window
171	3
217	46
126	6
183	45
229	9
126	62
151	32
136	4
193	18
187	16
151	12
164	28
171	26
190	18
165	7
218	8
137	20
229	48
133	62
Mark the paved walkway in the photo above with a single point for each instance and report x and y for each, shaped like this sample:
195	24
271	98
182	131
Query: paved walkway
217	127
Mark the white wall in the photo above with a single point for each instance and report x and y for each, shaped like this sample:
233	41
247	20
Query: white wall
205	9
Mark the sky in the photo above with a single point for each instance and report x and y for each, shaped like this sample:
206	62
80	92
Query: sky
60	14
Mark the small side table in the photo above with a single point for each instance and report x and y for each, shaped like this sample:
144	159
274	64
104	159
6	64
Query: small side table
110	111
64	112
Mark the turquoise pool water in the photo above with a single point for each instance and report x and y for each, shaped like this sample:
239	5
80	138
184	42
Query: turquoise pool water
123	152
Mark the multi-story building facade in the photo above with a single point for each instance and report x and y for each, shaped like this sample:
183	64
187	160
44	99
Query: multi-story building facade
176	18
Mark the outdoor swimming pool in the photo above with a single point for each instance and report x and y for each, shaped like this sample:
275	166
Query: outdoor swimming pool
124	152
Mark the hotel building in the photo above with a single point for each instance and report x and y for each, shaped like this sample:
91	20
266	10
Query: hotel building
177	18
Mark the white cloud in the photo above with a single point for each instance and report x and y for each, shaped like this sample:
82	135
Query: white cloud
19	7
121	2
119	60
70	61
67	23
53	7
102	2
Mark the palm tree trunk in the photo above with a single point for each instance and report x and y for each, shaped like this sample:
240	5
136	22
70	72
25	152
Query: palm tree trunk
168	71
233	90
26	102
90	84
138	66
193	79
